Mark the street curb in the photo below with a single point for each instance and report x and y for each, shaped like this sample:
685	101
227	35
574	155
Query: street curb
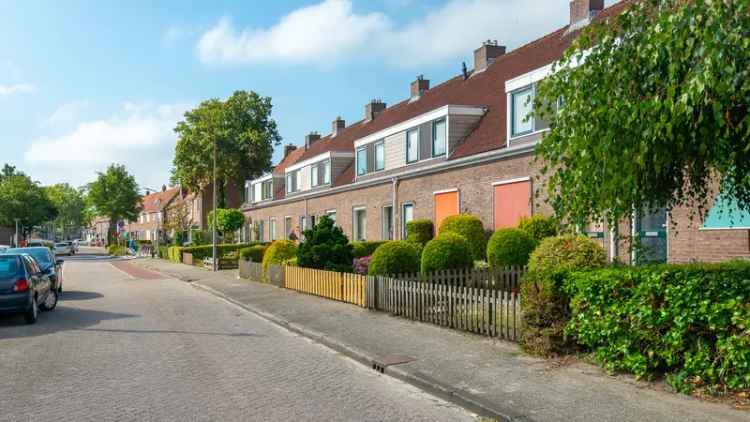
417	379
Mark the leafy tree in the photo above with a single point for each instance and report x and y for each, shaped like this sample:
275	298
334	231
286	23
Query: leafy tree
70	204
23	199
245	135
325	247
8	171
114	194
228	221
655	114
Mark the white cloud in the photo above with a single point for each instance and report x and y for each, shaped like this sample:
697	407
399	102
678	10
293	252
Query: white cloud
139	136
318	33
331	30
66	114
16	89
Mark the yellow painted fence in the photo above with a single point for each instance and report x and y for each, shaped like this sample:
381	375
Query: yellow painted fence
349	288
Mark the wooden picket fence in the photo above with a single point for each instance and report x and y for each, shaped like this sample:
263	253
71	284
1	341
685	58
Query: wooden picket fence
345	287
503	278
250	270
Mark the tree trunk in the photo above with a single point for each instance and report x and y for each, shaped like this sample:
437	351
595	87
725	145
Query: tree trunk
222	197
111	239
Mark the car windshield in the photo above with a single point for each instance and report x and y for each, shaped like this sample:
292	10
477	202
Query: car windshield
8	266
41	255
61	245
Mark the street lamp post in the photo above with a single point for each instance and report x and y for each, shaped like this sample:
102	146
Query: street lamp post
213	229
16	239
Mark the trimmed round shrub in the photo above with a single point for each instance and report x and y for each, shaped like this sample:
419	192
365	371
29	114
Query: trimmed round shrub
362	249
419	231
448	251
471	228
545	307
325	247
395	257
277	253
253	253
509	247
539	227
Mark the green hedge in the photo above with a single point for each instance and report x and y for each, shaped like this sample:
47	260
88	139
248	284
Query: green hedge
253	253
174	253
539	227
163	252
116	250
509	247
279	252
448	251
395	257
689	322
471	228
420	231
206	251
363	249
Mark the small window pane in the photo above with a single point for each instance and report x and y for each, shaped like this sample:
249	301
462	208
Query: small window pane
332	216
521	110
361	161
438	138
412	146
327	172
406	216
314	175
380	156
360	222
298	181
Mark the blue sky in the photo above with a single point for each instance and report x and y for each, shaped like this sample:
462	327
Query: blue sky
91	82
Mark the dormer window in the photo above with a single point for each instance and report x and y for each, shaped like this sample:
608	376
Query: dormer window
361	161
521	103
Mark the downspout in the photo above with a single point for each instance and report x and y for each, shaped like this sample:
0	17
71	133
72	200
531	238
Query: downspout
396	215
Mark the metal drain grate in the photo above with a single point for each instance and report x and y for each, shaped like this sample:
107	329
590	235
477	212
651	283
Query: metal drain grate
390	360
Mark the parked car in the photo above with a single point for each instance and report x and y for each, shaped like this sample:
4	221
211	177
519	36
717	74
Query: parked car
63	248
47	262
24	287
3	248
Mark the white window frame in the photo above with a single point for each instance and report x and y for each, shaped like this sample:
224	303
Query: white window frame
445	137
357	163
314	175
403	217
332	213
379	144
363	230
511	111
412	130
327	172
272	229
383	234
291	226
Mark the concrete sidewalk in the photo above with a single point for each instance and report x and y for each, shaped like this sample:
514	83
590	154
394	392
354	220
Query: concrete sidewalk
492	376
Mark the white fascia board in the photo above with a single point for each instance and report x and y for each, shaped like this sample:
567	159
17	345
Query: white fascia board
315	159
540	73
418	120
259	180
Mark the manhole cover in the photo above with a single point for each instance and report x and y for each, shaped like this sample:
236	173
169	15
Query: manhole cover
390	360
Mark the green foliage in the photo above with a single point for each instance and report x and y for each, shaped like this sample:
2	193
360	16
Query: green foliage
419	231
539	227
471	228
325	247
23	199
448	251
174	254
278	253
366	248
114	194
117	250
395	257
253	253
688	322
206	251
163	252
245	135
228	220
654	113
545	307
291	262
510	247
70	204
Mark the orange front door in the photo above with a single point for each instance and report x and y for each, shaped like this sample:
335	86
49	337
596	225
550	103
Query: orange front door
446	204
512	201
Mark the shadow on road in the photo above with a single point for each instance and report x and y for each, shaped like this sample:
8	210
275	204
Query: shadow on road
78	295
202	333
63	318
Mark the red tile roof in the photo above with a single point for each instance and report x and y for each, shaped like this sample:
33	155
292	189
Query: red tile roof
289	160
158	200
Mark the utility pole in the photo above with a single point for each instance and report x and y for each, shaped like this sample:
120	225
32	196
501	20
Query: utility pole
213	230
16	239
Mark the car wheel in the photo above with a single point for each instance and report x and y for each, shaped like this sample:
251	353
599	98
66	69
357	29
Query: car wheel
50	302
32	314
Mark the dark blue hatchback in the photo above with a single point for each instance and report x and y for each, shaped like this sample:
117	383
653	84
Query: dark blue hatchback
24	287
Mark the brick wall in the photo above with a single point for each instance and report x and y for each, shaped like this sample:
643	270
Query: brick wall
688	243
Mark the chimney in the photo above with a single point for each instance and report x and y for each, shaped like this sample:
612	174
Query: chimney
484	55
311	138
288	148
148	192
163	188
581	12
373	108
337	125
419	87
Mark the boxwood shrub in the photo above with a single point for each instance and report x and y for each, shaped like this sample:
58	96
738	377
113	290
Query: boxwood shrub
539	227
363	249
395	257
325	247
277	253
206	251
471	228
688	322
509	247
545	307
420	231
448	251
253	253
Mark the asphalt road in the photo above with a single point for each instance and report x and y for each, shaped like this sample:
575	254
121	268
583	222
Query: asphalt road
121	348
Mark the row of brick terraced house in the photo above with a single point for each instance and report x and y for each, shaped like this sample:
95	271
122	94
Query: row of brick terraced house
464	146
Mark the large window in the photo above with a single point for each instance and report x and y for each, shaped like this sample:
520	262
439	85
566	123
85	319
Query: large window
332	215
360	223
412	145
314	175
379	155
521	103
326	172
267	190
272	229
361	161
387	223
293	181
438	138
407	215
287	227
298	180
320	173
